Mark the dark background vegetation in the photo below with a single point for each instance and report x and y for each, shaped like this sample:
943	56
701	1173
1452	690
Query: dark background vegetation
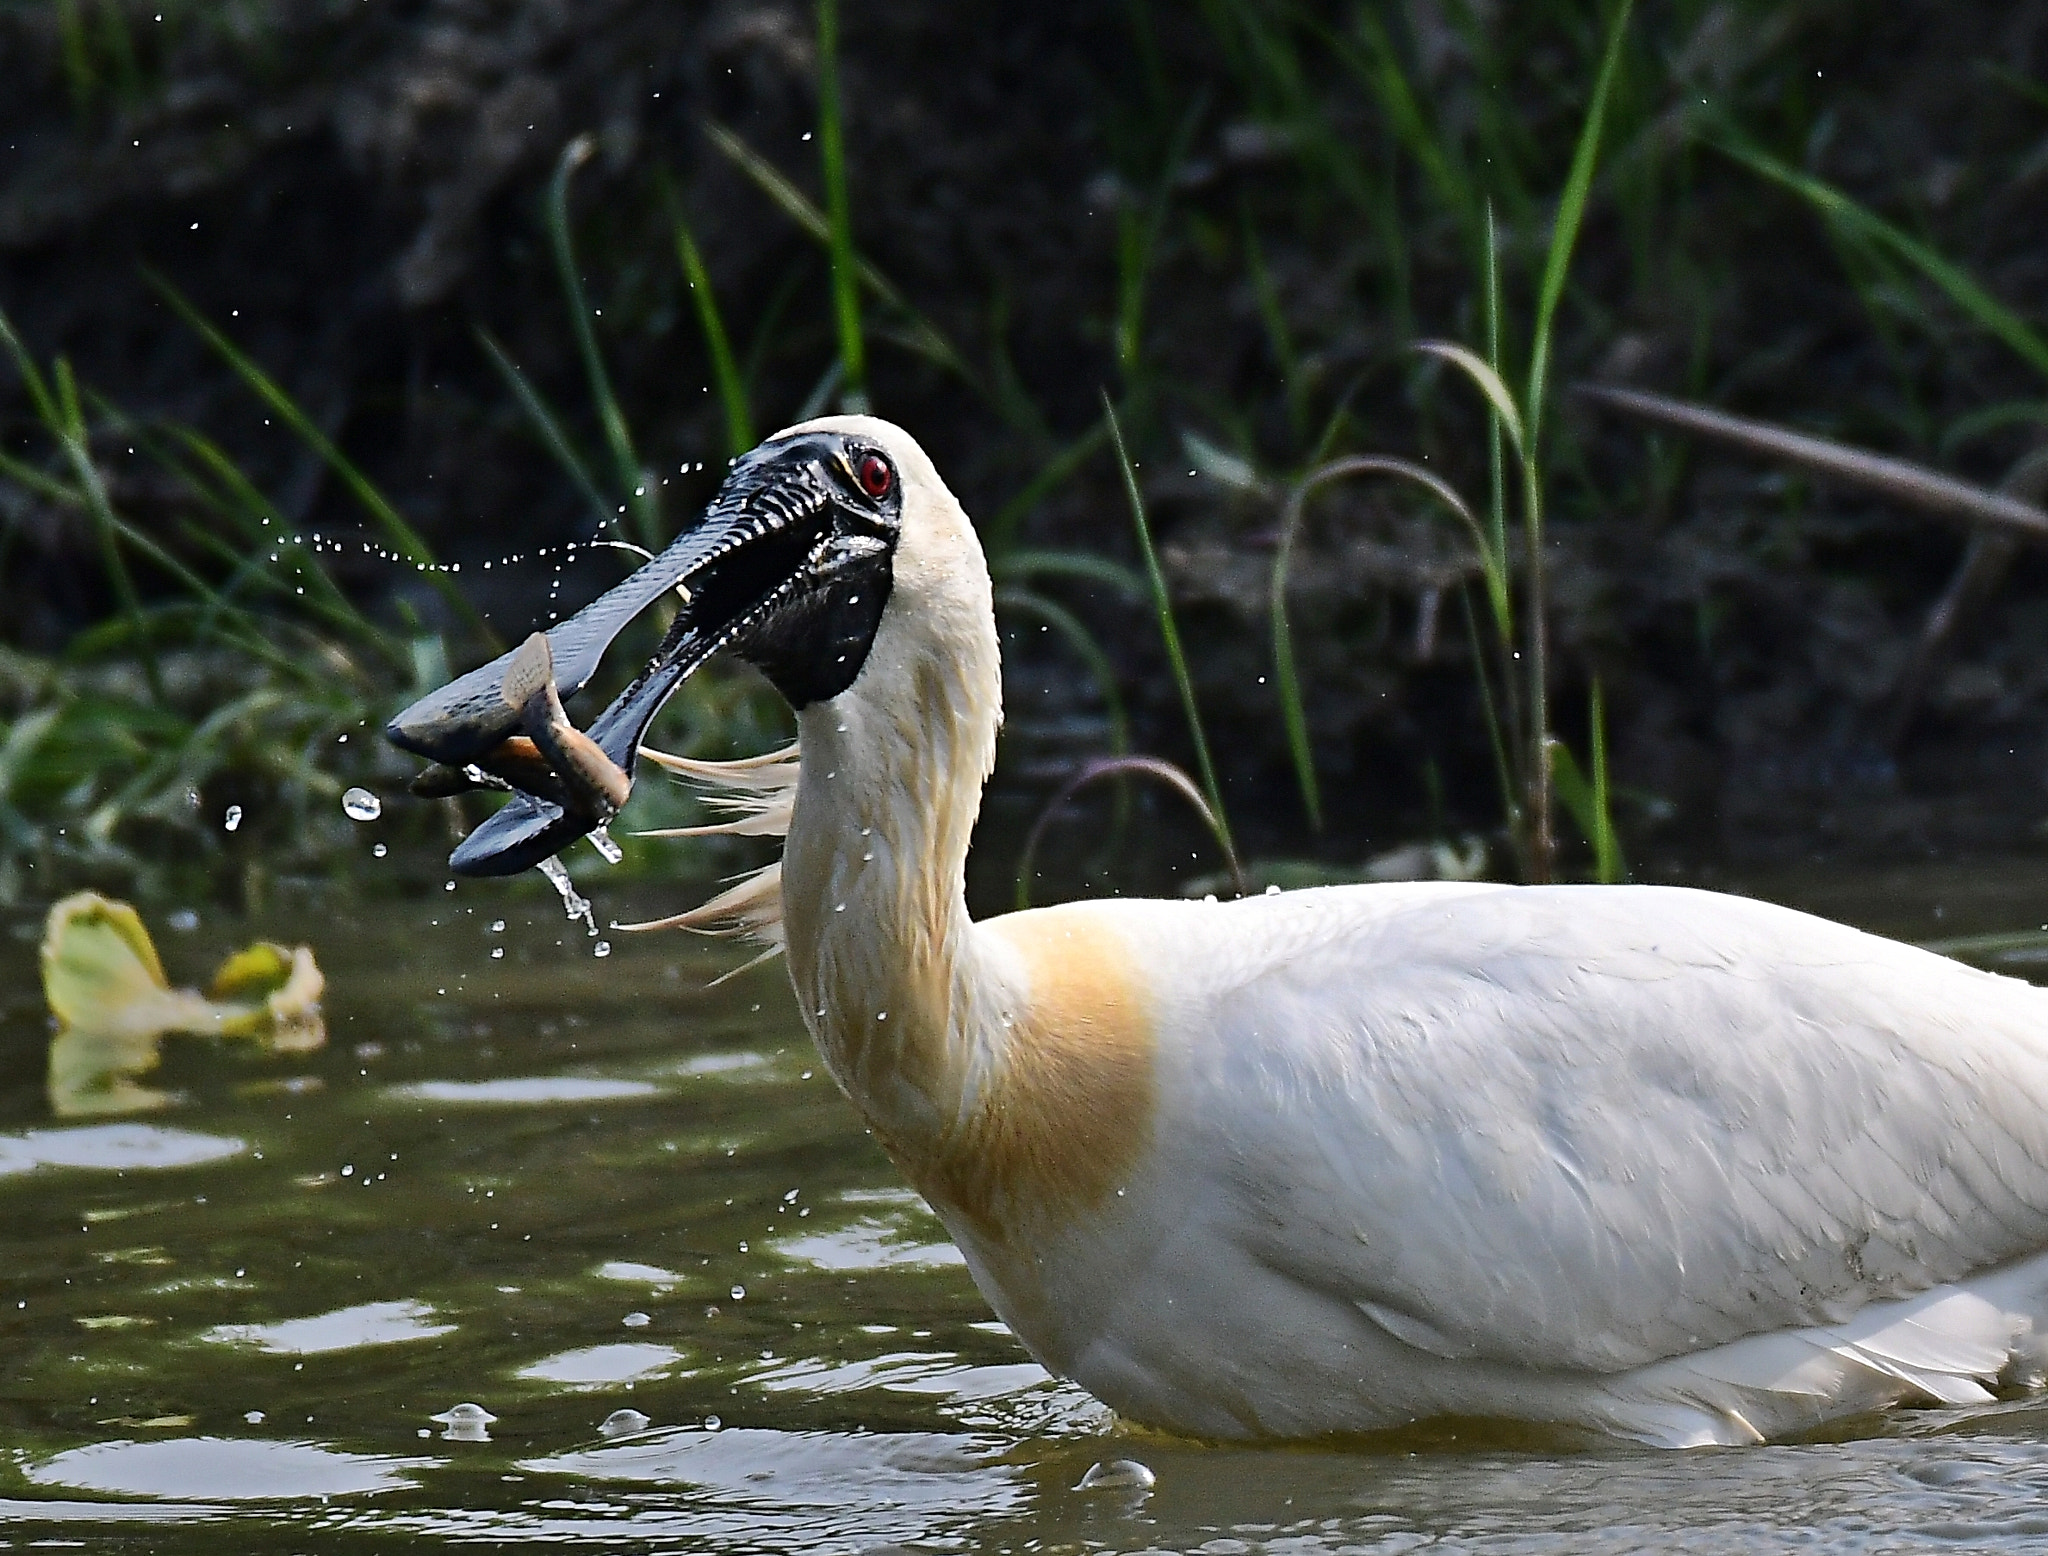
1234	217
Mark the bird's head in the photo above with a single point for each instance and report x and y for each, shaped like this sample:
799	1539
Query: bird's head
791	567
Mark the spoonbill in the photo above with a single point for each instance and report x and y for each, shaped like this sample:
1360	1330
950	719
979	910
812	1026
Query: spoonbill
1662	1163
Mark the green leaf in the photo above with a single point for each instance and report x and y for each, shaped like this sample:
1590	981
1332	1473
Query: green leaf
106	986
1989	313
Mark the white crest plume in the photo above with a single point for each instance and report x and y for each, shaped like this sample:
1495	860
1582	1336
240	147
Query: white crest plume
757	795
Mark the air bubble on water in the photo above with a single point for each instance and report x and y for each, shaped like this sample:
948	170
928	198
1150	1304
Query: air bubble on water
739	1293
622	1423
636	1320
360	804
1117	1475
465	1423
379	851
601	840
574	903
233	818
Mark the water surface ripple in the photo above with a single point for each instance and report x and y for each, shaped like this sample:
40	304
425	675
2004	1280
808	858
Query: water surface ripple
587	1194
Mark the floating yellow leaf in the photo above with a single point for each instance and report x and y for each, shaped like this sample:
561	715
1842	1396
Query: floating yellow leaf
106	986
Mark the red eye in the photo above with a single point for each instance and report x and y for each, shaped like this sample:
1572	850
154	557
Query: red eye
875	475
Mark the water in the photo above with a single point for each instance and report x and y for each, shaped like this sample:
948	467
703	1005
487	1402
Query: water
574	903
361	805
391	1295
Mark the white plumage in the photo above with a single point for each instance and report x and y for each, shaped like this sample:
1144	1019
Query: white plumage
1665	1163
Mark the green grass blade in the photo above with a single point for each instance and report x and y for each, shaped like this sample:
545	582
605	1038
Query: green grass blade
1499	400
1083	565
1498	593
67	426
928	341
1286	679
1988	312
1606	845
732	390
403	537
1571	212
1086	647
839	213
1163	608
1000	533
1287	685
1497	738
638	491
1175	778
552	433
1587	797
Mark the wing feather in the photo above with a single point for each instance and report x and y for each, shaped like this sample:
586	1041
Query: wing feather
1592	1128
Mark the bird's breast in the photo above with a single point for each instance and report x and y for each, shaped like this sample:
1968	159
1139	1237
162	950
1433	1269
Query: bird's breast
1063	1113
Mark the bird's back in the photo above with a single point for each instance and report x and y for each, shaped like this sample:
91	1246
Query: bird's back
1572	1131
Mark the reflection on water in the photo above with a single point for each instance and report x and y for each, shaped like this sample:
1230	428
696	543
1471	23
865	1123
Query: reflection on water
112	1148
537	1181
595	1364
525	1089
220	1469
371	1323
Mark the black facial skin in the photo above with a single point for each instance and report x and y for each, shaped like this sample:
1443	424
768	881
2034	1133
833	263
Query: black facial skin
789	567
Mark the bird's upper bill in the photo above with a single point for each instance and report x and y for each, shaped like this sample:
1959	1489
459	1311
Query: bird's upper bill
789	567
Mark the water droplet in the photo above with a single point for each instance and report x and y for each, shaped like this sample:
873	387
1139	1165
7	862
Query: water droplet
233	819
602	948
360	804
1273	891
622	1423
574	903
465	1423
349	1171
379	851
712	1423
497	953
1118	1475
497	926
739	1293
183	920
253	1417
636	1320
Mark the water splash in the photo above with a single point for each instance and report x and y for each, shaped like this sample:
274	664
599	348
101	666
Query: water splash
602	841
465	1423
360	804
622	1423
574	903
1118	1475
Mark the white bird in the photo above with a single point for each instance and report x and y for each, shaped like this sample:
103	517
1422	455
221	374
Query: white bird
1668	1164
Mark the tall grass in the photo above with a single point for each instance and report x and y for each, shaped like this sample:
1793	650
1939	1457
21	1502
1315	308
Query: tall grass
1515	697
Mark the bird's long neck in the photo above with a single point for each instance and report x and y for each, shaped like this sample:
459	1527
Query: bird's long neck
881	949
